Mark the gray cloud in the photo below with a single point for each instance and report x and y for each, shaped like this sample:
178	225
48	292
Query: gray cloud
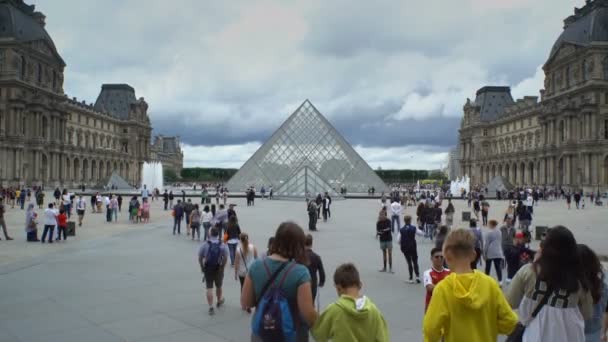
386	73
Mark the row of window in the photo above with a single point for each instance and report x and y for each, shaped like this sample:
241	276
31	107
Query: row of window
39	73
569	71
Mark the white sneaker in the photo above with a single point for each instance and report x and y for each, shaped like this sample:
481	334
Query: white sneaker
508	281
411	281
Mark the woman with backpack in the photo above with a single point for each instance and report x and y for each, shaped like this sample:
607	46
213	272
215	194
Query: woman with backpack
277	281
550	292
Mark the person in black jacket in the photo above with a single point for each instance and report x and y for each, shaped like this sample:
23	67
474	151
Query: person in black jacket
383	233
409	248
315	265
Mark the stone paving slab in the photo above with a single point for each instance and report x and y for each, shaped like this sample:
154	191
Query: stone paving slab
125	282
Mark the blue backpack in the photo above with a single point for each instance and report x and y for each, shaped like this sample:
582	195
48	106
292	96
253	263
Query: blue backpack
213	259
273	320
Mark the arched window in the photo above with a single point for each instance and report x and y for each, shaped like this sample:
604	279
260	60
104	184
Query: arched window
39	73
23	67
562	133
568	76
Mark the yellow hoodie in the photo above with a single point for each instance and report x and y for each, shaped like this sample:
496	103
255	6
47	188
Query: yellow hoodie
468	307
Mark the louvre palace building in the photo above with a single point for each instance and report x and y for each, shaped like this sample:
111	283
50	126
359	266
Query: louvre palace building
47	138
559	139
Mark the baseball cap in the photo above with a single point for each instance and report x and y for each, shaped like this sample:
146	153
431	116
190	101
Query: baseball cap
519	235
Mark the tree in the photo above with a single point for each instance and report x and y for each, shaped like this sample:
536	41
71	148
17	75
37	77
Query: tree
170	175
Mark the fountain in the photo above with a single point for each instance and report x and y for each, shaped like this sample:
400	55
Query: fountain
458	185
152	176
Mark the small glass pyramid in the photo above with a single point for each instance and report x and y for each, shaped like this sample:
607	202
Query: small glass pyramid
306	154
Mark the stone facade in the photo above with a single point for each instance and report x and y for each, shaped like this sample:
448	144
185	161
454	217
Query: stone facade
167	150
48	139
560	140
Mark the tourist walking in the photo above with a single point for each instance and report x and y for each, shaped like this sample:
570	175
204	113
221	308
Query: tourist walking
81	207
145	210
353	317
206	219
119	200
31	224
282	271
485	210
441	235
50	221
171	197
178	214
478	242
467	305
212	257
518	255
492	250
326	204
396	212
449	214
114	207
108	202
233	231
195	222
315	267
188	207
2	220
166	200
383	232
595	283
40	198
312	215
434	275
246	254
409	248
551	288
62	225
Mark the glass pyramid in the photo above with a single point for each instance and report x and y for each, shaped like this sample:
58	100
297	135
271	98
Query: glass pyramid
308	148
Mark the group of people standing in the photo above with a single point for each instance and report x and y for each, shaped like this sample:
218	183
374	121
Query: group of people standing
559	290
321	204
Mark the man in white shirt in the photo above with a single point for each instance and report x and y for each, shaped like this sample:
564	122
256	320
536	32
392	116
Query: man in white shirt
144	193
81	206
50	221
396	210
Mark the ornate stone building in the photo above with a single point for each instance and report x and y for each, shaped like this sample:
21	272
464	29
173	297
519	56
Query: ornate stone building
168	151
560	140
46	138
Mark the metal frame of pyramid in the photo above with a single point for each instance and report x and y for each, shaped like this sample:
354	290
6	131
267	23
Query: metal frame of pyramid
307	141
305	183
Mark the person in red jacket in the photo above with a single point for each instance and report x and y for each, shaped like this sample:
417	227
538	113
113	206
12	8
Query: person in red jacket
62	225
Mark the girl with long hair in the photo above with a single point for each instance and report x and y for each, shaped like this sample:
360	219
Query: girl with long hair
595	283
246	254
557	279
288	258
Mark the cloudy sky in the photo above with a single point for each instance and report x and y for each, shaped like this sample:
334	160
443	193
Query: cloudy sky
392	76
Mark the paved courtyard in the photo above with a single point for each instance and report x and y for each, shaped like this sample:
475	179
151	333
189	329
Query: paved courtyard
125	282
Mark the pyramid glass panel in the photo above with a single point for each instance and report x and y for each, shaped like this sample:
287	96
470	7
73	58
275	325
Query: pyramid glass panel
306	151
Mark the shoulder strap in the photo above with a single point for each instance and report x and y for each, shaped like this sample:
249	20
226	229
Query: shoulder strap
244	261
540	305
270	280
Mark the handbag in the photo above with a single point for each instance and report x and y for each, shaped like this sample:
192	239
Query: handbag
518	333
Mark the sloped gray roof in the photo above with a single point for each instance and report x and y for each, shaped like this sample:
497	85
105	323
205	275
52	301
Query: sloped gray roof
492	102
589	24
116	99
17	21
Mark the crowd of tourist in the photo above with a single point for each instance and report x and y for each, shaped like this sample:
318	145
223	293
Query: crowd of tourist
557	292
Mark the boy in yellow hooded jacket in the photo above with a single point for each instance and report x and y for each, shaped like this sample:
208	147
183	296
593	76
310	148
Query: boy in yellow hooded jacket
352	318
467	305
